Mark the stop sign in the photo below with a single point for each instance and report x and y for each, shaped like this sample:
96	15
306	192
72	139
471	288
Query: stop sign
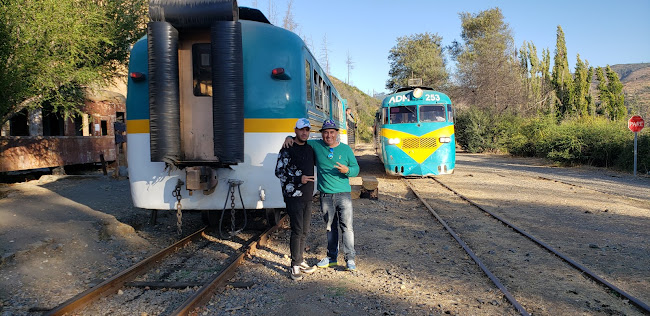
635	123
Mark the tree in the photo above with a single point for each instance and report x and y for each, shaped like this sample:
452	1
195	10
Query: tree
350	64
273	15
581	84
288	22
488	72
325	54
562	80
603	93
417	56
51	50
617	98
610	93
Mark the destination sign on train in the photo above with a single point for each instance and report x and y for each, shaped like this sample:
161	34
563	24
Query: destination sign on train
407	97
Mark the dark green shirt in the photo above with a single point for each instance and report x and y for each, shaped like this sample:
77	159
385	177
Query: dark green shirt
330	179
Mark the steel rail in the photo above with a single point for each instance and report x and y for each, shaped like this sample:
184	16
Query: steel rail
637	302
112	285
469	251
205	293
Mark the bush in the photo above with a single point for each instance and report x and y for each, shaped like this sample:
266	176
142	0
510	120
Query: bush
475	130
593	140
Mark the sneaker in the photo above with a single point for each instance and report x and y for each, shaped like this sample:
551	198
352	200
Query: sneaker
351	265
326	262
305	268
295	273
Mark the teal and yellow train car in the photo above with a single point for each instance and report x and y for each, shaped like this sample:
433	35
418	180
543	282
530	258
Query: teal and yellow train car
414	133
213	91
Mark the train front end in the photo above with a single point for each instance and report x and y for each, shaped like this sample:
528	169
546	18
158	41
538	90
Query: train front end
417	133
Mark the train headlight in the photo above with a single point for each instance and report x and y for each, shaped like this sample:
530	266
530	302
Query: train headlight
417	93
393	141
445	139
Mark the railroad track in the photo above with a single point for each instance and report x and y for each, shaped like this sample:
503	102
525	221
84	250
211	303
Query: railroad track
195	284
514	263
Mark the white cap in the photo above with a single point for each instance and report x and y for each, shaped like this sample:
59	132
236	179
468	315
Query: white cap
302	123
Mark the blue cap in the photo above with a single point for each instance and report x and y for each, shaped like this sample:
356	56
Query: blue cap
302	123
329	124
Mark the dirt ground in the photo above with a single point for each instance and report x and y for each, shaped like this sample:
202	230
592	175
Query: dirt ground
58	236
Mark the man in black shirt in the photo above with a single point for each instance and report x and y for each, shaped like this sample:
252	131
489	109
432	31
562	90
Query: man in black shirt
295	168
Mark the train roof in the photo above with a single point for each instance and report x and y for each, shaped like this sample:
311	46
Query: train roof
251	14
412	88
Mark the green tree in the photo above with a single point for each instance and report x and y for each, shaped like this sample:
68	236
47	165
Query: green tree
562	80
51	50
581	83
617	98
603	107
488	74
417	56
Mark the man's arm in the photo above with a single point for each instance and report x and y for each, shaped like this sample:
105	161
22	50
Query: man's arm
352	164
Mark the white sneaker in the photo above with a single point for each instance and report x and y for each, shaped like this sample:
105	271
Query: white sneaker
295	273
304	267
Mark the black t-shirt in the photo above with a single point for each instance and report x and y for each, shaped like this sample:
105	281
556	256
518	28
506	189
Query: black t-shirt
293	163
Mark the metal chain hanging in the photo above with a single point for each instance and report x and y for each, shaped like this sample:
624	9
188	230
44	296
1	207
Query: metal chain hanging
179	214
231	192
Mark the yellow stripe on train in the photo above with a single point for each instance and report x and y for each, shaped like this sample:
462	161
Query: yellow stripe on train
250	126
418	147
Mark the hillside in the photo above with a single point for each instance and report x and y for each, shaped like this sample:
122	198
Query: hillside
636	85
363	107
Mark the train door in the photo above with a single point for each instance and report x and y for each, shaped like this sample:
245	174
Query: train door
195	91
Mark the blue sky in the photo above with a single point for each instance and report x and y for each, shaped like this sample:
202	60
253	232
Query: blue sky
602	32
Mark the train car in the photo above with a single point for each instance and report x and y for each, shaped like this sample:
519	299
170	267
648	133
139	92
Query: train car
213	91
414	133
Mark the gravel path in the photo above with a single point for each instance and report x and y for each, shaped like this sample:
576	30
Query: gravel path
60	236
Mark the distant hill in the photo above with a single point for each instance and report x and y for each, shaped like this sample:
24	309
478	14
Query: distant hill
636	86
363	107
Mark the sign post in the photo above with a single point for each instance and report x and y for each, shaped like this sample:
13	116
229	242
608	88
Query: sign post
635	124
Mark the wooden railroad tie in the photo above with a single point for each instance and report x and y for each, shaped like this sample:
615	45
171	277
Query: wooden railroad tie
369	188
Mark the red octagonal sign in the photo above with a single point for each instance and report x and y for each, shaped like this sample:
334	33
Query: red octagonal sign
635	123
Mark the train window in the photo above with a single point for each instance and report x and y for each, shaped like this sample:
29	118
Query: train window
384	116
326	96
308	81
450	113
403	114
318	100
201	70
432	113
336	106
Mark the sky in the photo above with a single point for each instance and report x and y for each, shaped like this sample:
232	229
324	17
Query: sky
603	32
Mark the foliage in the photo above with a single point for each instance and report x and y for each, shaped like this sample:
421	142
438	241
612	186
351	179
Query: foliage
561	79
51	49
488	73
595	141
417	56
363	108
475	130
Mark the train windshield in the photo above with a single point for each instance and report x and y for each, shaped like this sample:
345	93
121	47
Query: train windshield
432	113
403	114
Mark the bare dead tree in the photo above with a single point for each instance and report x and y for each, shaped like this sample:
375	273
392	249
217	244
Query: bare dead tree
350	64
325	54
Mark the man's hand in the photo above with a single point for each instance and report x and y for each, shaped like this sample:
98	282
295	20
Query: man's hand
342	168
288	142
306	179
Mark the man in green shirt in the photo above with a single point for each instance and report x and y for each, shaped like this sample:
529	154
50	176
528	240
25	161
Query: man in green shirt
335	164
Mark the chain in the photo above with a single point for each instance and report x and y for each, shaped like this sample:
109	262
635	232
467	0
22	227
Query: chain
233	227
232	208
179	214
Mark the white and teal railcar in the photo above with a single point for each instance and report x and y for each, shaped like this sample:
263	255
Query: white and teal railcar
213	91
